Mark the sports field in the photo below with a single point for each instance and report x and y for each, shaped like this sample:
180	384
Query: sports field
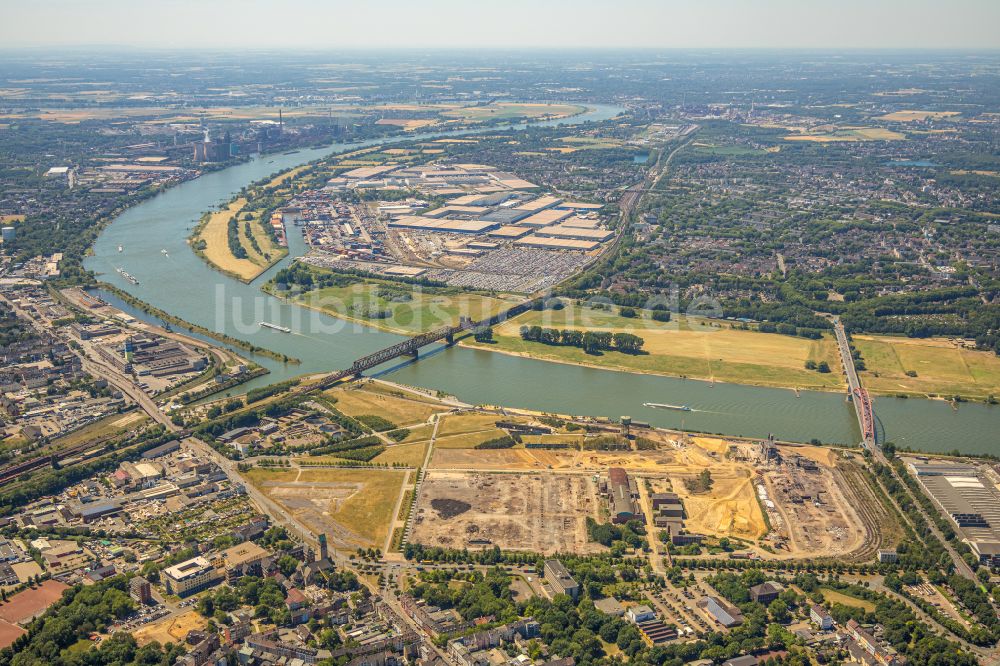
687	347
424	311
941	366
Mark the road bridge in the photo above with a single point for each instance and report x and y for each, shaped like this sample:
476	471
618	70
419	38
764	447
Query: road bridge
859	396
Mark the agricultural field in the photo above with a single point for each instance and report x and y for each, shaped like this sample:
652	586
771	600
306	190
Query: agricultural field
702	148
575	143
353	507
685	347
423	310
940	367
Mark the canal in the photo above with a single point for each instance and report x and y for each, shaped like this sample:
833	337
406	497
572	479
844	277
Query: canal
180	283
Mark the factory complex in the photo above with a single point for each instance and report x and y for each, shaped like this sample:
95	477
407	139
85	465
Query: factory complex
968	495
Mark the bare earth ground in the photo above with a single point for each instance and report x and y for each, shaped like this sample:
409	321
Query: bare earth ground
729	508
543	512
170	629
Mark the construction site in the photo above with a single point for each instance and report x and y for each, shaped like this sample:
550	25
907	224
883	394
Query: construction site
542	512
790	502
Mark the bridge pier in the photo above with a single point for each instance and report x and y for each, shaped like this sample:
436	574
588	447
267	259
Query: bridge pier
450	338
415	353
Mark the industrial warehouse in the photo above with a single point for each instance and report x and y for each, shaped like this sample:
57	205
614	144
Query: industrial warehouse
467	225
968	495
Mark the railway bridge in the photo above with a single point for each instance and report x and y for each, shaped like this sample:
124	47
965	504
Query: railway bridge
412	346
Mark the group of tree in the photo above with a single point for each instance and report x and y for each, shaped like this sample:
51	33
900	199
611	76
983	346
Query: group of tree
82	611
592	342
630	535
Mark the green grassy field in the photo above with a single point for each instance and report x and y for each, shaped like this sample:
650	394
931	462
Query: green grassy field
401	411
425	311
941	367
834	597
686	347
366	505
407	454
467	440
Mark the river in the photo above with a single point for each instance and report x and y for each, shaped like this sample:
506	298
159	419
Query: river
180	283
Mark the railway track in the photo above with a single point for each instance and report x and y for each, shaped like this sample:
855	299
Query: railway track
10	473
867	508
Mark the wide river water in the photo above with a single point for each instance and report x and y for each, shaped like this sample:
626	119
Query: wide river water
180	283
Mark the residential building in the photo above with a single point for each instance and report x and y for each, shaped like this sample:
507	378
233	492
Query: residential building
820	617
140	590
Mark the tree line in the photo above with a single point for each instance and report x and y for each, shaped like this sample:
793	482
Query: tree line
592	342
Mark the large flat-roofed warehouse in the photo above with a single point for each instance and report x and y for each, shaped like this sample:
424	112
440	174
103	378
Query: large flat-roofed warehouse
556	243
581	222
576	205
970	500
465	211
544	218
423	223
510	231
505	215
576	233
929	468
541	203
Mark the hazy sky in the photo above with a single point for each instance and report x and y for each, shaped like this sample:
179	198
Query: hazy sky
503	23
